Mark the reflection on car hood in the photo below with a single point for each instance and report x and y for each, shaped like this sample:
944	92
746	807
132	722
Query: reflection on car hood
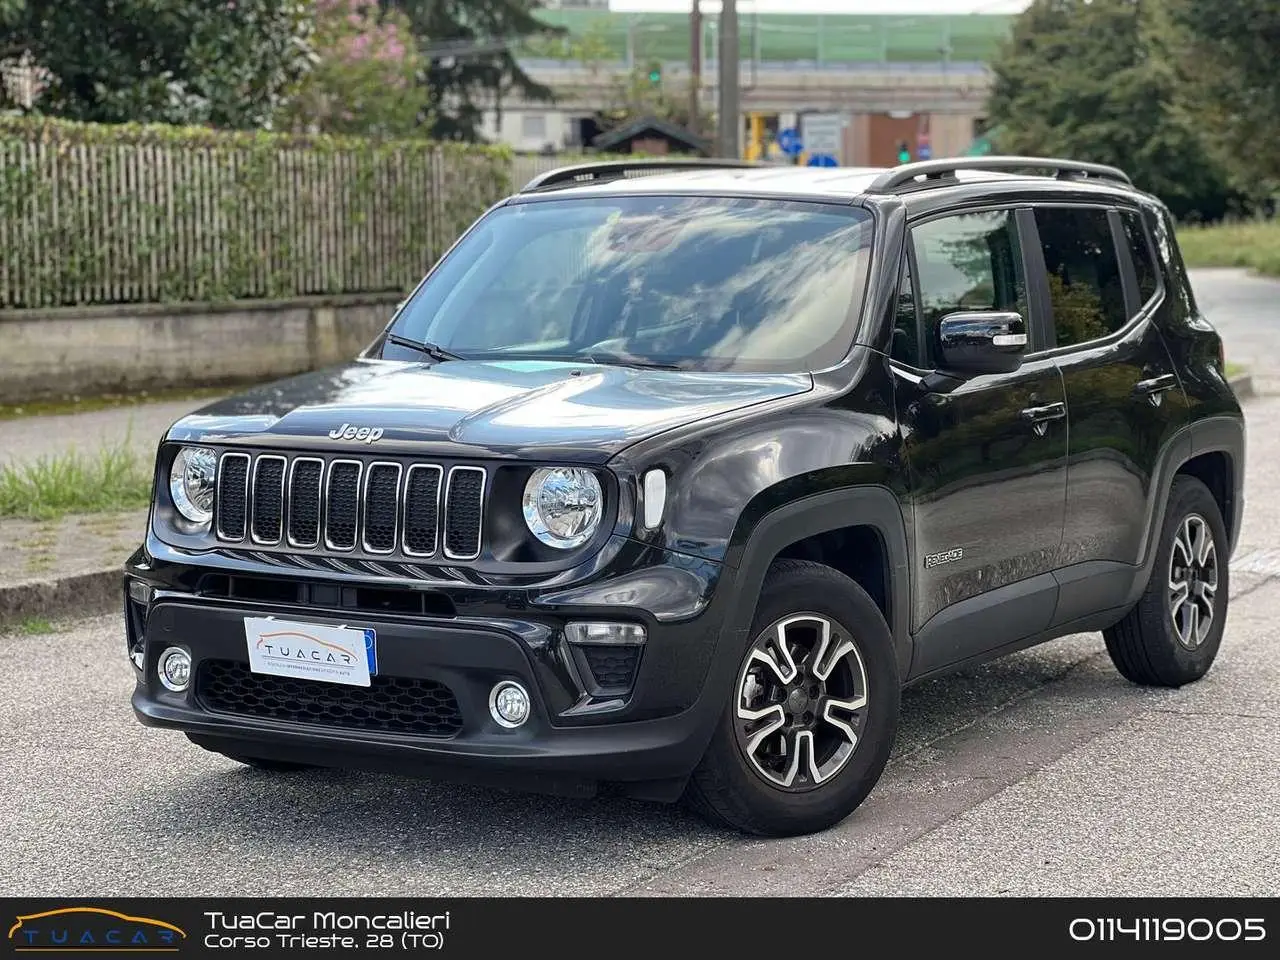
471	408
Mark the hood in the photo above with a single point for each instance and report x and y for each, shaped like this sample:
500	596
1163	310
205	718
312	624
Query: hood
473	409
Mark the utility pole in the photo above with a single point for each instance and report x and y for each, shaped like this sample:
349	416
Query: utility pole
695	64
730	105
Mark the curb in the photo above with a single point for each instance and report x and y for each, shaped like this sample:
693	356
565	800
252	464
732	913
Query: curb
81	595
1242	386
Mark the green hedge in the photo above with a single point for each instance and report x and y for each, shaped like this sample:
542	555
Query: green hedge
130	214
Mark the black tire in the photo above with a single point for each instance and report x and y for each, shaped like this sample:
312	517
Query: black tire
1146	646
257	763
726	787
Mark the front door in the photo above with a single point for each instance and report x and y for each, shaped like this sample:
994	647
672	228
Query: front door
1123	392
986	456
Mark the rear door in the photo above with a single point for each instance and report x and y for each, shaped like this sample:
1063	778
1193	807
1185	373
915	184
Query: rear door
1123	394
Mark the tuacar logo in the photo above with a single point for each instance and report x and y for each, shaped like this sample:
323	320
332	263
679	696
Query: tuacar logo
92	930
276	646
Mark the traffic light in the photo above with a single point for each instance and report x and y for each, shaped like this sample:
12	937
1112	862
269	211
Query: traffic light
655	74
904	153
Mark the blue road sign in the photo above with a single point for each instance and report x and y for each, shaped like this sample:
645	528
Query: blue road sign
789	142
823	160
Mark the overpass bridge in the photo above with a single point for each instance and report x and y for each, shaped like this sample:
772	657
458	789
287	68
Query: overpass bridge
790	87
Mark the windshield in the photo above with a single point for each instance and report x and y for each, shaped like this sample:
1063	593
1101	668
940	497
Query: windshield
697	283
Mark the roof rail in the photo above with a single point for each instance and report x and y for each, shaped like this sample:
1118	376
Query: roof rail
907	174
583	173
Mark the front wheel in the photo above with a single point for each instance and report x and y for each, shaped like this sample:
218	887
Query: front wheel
813	711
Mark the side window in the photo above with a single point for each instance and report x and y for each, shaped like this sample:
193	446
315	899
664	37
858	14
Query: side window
1083	273
1144	263
970	261
906	333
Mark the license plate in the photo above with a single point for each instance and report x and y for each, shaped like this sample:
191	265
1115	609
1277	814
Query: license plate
310	651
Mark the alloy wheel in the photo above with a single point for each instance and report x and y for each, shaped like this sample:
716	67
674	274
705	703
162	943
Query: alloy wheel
1193	581
801	701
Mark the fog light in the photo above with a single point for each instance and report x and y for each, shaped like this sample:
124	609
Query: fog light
174	669
509	704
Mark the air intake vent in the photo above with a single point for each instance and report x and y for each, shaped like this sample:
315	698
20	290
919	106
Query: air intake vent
381	504
343	513
462	522
381	509
268	498
305	479
392	704
233	495
422	510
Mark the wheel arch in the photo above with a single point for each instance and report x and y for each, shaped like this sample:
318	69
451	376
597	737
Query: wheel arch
1212	448
826	526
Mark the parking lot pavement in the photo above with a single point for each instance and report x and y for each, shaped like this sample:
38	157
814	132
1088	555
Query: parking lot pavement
1245	309
1043	773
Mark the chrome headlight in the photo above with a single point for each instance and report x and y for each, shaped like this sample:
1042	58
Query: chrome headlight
563	506
191	482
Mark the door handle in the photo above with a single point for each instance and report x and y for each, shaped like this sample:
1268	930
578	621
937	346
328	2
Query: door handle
1039	417
1052	411
1146	388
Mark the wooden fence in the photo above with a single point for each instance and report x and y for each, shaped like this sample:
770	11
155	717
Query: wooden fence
106	218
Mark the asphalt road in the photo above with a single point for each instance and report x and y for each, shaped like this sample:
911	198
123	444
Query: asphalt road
1043	773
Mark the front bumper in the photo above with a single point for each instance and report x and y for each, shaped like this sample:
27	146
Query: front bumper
649	737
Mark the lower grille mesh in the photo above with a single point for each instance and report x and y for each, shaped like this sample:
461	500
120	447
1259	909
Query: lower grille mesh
613	666
392	704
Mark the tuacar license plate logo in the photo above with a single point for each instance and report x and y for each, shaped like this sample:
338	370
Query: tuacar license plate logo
311	651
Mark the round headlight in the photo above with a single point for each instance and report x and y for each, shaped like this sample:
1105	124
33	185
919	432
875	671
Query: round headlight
562	506
191	480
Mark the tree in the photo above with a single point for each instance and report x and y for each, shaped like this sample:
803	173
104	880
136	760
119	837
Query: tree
635	95
365	80
227	63
631	95
468	48
1082	79
1224	53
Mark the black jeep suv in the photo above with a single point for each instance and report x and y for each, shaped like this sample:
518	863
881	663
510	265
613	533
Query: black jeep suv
668	477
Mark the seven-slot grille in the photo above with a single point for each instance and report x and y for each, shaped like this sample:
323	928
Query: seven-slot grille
345	505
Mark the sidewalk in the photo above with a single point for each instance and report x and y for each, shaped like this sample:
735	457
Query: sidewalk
28	438
71	565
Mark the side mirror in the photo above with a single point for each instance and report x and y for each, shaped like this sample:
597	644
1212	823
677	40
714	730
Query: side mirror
981	342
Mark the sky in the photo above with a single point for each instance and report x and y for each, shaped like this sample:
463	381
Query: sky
827	6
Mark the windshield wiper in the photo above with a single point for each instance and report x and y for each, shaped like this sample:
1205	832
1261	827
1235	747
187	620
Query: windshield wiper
621	360
437	353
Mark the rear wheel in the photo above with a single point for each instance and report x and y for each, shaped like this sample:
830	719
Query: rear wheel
1172	635
813	712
